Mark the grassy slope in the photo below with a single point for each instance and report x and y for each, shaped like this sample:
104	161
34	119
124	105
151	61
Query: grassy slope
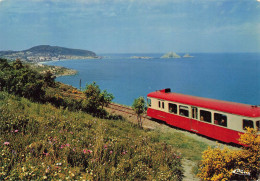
35	153
41	141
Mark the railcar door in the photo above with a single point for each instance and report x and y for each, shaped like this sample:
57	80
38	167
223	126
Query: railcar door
193	121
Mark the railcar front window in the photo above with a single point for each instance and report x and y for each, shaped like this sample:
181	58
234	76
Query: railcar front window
205	116
173	108
184	111
220	119
258	125
149	102
247	124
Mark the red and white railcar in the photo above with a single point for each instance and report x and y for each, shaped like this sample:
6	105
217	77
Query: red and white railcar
220	120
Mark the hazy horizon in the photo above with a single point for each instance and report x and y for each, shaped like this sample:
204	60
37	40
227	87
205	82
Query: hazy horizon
132	26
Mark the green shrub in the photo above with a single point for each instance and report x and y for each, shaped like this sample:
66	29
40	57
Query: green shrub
21	80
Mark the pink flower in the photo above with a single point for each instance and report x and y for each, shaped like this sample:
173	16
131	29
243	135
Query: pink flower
111	152
62	146
68	145
84	151
46	154
71	132
16	130
90	151
6	143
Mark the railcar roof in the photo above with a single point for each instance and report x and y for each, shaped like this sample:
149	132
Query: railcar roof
224	106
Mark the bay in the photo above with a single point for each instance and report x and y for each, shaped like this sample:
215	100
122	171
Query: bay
225	76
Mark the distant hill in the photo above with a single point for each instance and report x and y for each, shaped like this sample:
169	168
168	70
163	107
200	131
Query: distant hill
47	53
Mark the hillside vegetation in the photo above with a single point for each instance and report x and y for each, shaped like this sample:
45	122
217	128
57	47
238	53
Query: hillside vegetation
40	141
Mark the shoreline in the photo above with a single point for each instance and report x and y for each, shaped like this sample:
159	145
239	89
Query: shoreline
61	60
57	71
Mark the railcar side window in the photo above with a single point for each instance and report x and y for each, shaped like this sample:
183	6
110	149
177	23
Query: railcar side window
220	119
184	111
163	105
172	108
258	125
149	102
159	104
205	116
248	124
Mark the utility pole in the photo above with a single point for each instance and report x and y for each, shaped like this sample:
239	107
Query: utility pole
80	84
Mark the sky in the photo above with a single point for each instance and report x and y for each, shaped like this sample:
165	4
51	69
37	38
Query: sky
132	26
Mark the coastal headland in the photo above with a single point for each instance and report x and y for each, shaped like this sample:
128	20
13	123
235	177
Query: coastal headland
43	53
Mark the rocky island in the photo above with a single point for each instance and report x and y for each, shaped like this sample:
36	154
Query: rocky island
43	53
140	57
171	55
187	56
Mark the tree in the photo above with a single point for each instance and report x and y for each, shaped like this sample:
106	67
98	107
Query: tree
95	99
49	78
92	102
21	80
18	64
219	164
139	108
105	98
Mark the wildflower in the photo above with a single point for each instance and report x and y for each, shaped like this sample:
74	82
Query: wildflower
111	152
46	154
68	145
84	151
90	151
16	131
62	146
6	143
71	132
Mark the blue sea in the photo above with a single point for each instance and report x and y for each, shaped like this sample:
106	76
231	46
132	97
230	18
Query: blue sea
225	76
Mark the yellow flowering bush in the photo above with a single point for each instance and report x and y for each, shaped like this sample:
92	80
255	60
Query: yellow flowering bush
219	164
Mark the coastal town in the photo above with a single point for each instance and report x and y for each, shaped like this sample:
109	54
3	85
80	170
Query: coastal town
30	57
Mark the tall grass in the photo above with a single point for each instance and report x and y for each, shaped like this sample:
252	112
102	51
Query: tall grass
41	142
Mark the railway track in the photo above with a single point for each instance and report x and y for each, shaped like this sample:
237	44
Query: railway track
123	109
112	106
